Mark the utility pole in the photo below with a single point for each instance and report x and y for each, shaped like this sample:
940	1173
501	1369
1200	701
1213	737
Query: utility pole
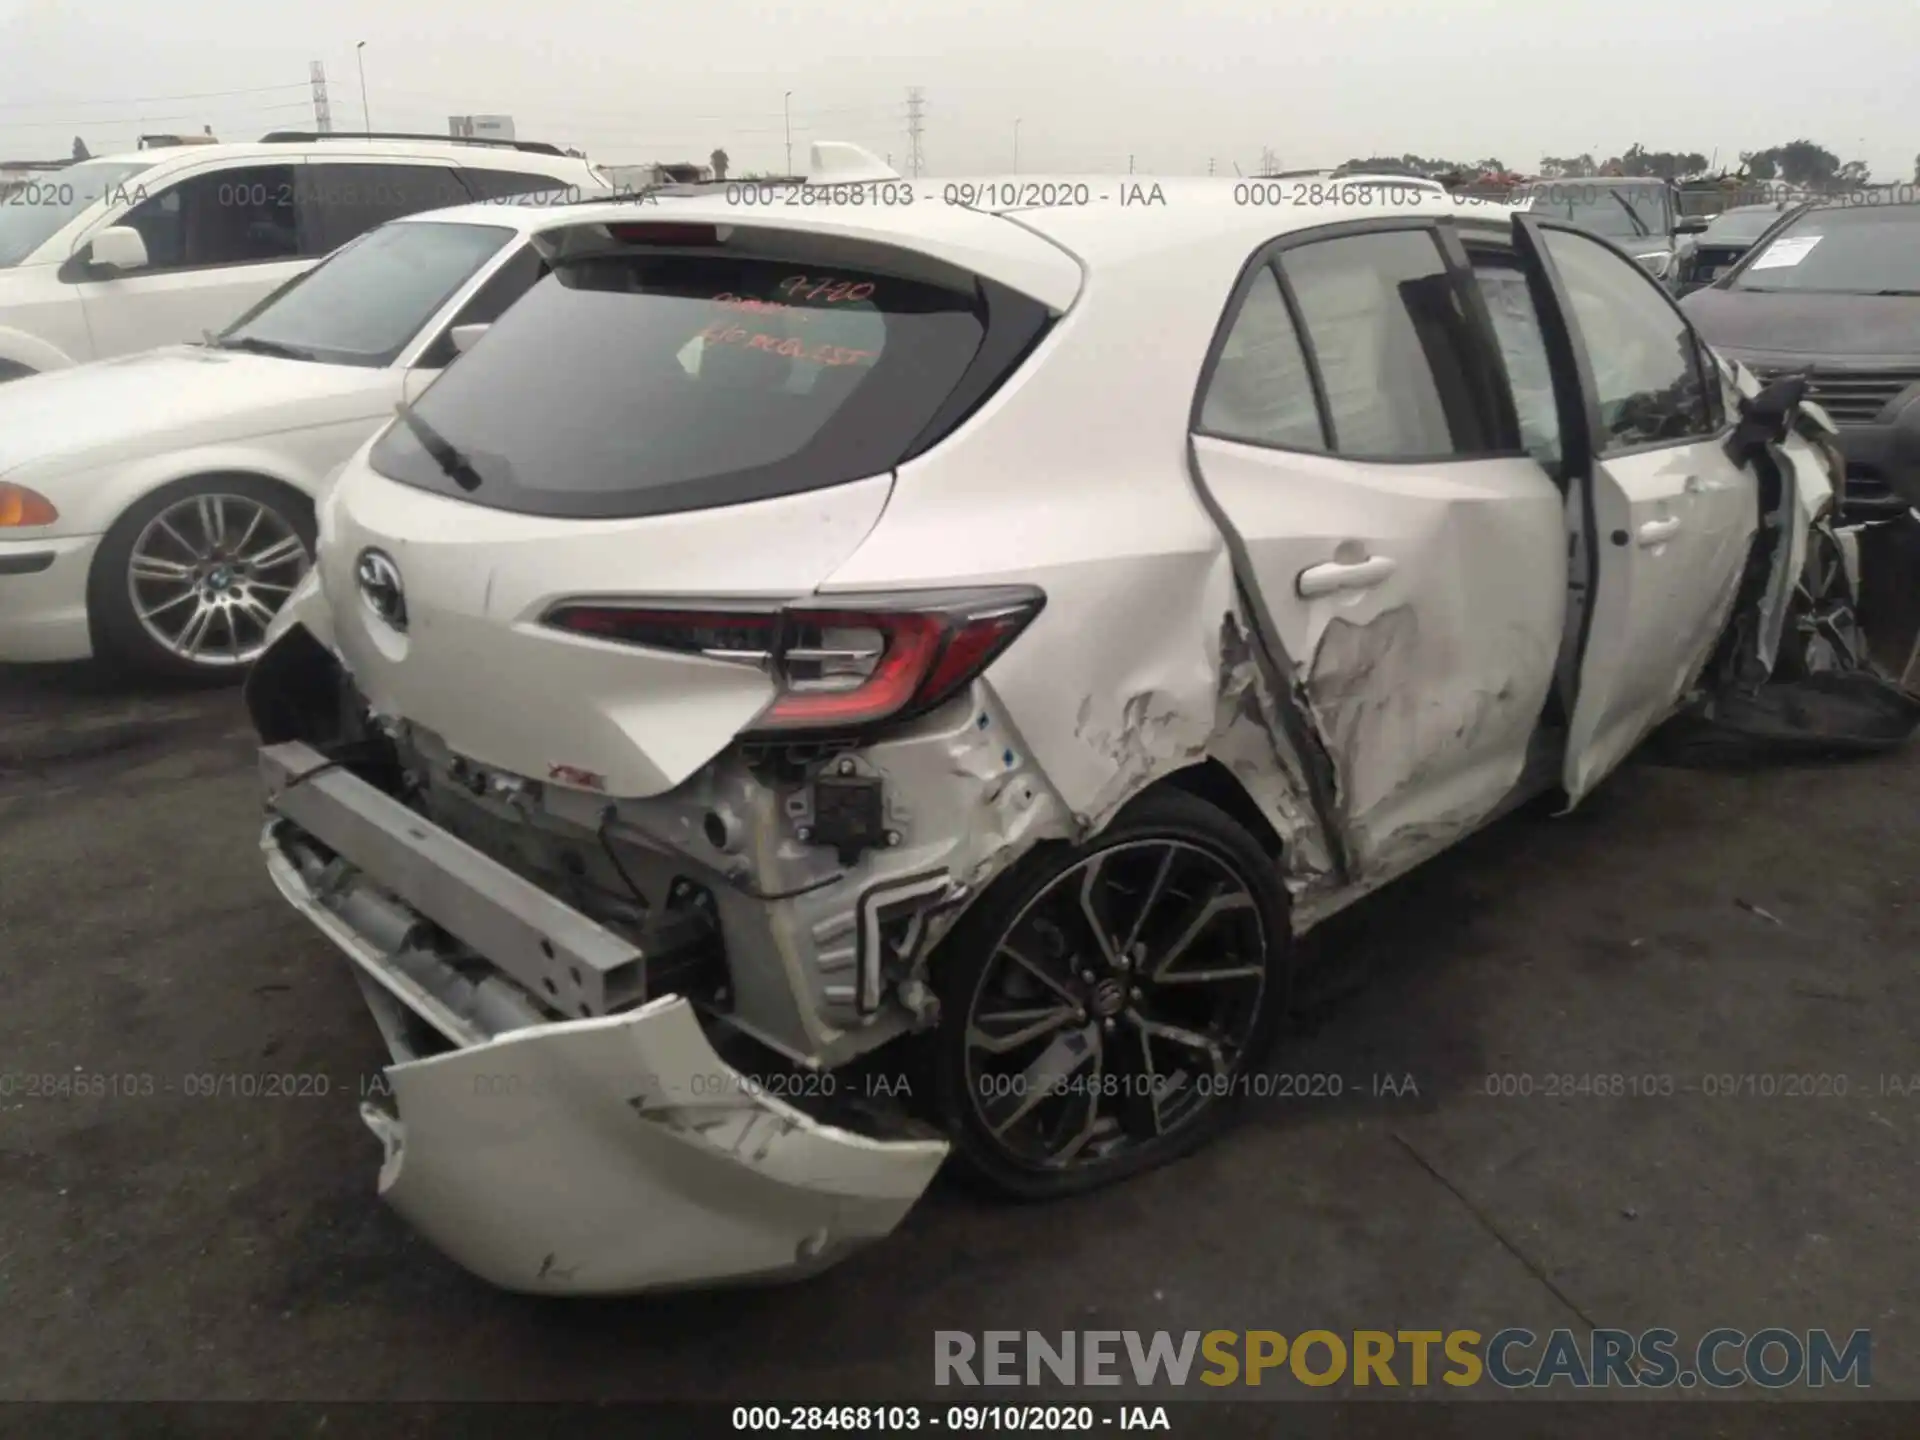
366	115
1129	164
916	118
322	111
1209	165
786	109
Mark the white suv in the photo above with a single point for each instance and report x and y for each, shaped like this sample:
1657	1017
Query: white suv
127	252
155	511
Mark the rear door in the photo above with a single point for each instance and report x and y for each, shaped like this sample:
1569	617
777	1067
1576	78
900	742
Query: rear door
1668	518
1360	450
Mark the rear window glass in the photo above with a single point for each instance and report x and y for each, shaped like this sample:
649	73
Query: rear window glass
643	382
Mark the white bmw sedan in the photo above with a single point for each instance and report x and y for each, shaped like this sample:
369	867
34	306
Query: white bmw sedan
156	510
974	644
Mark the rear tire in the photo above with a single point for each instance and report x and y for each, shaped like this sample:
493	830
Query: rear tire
1072	967
186	581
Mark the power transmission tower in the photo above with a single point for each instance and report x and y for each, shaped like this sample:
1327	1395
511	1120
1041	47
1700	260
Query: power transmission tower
1269	162
916	117
322	113
1209	165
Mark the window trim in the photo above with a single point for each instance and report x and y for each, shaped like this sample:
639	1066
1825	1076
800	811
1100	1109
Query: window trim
1579	408
1489	369
80	272
1309	357
1591	391
1013	326
1477	333
1498	251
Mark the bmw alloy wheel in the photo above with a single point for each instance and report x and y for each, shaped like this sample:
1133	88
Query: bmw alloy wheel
207	575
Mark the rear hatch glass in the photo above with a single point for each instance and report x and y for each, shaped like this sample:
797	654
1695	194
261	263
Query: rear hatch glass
638	380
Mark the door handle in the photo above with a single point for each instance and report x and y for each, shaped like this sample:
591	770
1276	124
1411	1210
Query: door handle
1658	532
1360	575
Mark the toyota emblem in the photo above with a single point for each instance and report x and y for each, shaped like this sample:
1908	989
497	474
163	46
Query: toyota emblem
380	587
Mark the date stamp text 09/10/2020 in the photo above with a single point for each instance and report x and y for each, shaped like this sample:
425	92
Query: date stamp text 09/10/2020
799	1086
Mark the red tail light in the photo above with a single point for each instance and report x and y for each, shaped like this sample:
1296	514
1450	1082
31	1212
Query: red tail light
657	233
850	667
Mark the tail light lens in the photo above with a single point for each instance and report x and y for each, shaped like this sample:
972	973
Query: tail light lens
849	667
655	233
20	506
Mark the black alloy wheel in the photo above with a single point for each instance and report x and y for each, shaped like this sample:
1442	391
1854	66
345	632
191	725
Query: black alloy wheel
1102	1002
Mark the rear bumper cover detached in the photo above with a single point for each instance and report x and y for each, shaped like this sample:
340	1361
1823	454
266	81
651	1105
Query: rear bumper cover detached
603	1155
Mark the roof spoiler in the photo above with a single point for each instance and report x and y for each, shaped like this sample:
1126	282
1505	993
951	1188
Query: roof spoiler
837	162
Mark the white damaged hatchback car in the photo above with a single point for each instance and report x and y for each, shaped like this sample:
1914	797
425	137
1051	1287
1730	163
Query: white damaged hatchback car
817	691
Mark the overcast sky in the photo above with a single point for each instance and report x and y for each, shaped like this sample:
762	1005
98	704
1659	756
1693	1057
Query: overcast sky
1173	86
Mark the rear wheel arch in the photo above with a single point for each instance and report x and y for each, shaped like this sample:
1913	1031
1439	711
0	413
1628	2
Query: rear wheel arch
1210	781
300	502
184	483
1214	783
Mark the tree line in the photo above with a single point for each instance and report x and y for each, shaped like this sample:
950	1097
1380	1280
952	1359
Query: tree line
1798	162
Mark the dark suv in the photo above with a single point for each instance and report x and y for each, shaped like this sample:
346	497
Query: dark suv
1835	289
